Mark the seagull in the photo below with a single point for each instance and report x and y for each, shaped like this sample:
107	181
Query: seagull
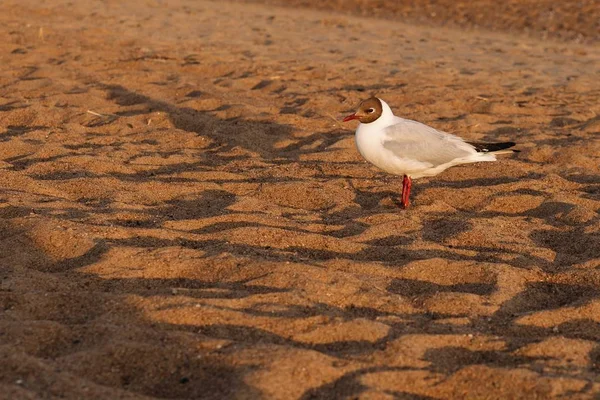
412	149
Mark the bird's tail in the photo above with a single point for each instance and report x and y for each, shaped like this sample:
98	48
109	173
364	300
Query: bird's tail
495	148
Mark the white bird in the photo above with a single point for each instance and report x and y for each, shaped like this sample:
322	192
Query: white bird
412	149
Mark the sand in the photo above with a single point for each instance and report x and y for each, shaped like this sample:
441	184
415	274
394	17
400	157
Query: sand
577	21
183	215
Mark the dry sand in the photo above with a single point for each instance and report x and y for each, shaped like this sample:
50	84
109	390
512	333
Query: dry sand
183	216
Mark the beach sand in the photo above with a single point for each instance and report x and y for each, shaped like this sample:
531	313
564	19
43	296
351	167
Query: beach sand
183	215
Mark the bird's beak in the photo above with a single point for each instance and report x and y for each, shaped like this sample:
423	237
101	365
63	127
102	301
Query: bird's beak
351	117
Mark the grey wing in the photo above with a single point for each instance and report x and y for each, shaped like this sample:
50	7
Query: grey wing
412	140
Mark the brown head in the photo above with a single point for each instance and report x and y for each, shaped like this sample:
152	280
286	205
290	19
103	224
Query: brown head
368	111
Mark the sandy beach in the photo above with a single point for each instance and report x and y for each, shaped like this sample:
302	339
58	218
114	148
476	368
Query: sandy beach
183	214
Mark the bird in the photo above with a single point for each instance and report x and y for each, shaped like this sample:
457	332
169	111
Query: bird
412	149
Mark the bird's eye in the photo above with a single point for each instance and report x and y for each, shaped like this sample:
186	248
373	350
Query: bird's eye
370	110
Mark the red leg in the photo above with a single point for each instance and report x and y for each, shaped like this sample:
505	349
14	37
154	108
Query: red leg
406	185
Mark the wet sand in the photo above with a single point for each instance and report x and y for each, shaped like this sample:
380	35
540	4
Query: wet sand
184	216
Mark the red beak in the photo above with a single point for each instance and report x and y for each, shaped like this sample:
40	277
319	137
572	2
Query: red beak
351	117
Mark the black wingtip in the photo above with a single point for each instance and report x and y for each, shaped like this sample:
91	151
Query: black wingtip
491	147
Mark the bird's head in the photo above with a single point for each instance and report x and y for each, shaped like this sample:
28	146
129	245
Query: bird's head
368	111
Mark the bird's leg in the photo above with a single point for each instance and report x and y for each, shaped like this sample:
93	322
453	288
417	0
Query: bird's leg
406	185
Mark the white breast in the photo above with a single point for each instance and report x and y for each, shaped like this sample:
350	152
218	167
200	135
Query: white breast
369	144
